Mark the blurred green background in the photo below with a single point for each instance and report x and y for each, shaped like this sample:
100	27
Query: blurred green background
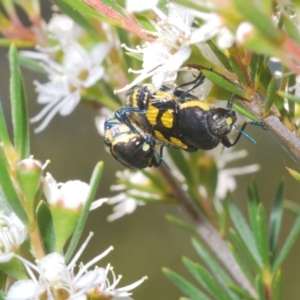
144	242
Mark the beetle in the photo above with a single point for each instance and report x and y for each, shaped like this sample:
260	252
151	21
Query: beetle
132	149
176	118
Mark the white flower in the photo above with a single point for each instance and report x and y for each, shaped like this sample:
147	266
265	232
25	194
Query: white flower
175	33
58	97
123	205
79	70
226	181
63	28
12	234
213	26
71	194
126	201
54	277
163	58
243	32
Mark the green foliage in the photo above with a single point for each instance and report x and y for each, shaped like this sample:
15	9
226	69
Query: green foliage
45	222
260	31
19	109
255	248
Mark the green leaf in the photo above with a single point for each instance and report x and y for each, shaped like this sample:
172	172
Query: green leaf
244	265
276	286
264	74
254	67
267	6
181	224
288	83
46	227
220	55
206	280
260	287
290	97
77	17
18	104
256	216
275	220
163	5
17	42
244	111
127	59
212	264
108	11
290	241
4	136
145	23
223	82
2	295
294	173
252	209
241	252
85	9
112	4
292	207
185	286
271	94
255	192
243	230
291	29
3	279
64	220
14	268
31	64
237	70
96	176
262	236
258	18
238	291
8	189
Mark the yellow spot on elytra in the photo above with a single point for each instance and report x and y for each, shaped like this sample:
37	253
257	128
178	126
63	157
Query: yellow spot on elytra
196	103
151	114
160	137
177	142
167	119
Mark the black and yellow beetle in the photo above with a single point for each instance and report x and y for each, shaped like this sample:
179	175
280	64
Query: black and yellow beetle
130	148
177	118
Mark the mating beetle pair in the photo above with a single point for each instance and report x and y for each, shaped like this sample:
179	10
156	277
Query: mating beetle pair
166	117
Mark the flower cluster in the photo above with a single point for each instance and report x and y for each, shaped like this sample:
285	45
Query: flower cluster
174	35
12	234
78	69
56	280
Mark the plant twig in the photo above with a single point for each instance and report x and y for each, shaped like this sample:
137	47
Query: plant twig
207	232
273	123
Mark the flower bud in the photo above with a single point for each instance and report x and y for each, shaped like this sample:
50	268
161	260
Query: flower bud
29	175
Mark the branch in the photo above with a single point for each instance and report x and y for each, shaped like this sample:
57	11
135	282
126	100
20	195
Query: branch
207	232
273	123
